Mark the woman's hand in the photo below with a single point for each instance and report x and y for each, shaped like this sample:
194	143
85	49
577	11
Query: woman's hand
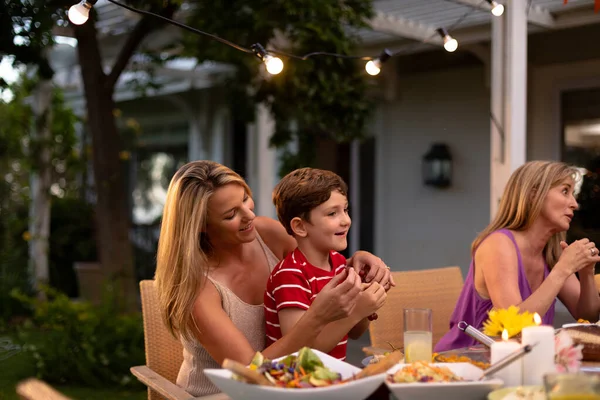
338	298
579	255
371	269
371	299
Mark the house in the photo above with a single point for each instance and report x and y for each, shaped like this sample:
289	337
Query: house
521	86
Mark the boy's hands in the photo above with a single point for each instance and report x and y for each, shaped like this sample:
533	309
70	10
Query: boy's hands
371	298
371	269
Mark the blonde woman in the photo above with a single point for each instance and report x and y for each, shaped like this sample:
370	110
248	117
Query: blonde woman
521	258
214	258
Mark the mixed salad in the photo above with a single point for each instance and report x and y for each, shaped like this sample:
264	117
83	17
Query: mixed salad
306	370
421	371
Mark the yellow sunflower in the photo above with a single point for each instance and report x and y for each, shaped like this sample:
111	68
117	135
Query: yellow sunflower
510	319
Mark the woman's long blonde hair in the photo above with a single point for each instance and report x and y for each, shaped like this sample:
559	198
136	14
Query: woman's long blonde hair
183	248
523	199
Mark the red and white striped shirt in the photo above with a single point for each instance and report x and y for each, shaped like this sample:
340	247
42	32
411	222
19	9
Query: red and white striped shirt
295	283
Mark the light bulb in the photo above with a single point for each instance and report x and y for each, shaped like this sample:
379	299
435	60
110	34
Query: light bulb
450	44
79	13
274	64
373	67
497	9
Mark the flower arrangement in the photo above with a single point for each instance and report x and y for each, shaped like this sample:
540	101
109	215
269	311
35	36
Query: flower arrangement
509	319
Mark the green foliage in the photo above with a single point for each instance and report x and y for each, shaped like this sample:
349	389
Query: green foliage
82	343
320	97
21	151
18	152
13	265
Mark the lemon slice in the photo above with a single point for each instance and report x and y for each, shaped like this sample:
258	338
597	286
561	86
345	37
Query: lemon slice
418	351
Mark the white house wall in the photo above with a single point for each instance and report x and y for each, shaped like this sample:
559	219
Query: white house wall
419	227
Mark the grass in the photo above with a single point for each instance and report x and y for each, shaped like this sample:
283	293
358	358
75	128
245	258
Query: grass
22	365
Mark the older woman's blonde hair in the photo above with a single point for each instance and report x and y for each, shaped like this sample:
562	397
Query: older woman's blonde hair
523	199
183	248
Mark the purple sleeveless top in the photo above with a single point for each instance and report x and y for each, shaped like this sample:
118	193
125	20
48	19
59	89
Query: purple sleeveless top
473	309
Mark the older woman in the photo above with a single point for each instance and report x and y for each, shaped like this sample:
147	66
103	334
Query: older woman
521	258
214	258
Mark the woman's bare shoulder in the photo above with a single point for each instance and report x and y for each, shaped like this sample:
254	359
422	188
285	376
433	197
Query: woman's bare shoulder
497	248
275	236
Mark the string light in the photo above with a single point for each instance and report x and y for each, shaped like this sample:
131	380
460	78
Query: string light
373	67
80	13
274	65
497	9
450	44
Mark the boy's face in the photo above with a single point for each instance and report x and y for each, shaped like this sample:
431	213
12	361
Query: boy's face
329	224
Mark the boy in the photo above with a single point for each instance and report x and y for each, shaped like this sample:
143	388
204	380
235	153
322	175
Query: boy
313	207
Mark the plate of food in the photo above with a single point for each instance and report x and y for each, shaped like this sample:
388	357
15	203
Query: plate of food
307	374
588	335
448	381
518	393
476	355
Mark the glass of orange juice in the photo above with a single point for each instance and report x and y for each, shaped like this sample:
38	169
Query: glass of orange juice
572	386
417	334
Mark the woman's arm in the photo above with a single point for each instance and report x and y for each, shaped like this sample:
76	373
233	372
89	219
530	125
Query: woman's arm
275	236
581	297
222	339
497	277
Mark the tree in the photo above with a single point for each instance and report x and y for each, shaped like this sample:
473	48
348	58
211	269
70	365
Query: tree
23	155
320	97
27	27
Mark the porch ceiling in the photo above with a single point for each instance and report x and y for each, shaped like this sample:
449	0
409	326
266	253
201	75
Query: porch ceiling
468	21
404	24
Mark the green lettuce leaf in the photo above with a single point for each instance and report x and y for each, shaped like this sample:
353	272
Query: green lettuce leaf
323	373
308	360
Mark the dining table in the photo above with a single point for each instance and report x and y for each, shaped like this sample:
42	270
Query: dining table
478	353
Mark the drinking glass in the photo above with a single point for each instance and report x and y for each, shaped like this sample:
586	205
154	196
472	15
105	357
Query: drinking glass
417	334
572	386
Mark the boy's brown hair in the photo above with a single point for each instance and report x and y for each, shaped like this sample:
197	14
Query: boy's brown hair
302	190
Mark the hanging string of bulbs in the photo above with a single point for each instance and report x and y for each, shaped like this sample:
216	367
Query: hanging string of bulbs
79	14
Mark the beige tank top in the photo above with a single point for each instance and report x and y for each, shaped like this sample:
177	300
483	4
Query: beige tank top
248	318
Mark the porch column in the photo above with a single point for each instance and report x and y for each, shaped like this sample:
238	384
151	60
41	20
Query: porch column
508	97
262	162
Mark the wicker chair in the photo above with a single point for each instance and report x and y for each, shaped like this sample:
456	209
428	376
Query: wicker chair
34	389
164	353
437	289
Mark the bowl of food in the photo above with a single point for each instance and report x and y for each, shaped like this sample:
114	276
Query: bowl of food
448	381
307	374
519	393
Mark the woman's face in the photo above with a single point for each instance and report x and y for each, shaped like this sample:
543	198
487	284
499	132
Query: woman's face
559	205
230	216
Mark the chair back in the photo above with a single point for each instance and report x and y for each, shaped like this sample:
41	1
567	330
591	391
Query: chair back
164	353
437	289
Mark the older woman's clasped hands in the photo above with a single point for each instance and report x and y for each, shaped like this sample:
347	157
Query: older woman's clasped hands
577	256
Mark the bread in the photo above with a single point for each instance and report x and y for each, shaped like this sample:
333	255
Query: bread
589	337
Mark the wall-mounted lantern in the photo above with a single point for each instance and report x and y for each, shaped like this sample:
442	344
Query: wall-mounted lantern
437	166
